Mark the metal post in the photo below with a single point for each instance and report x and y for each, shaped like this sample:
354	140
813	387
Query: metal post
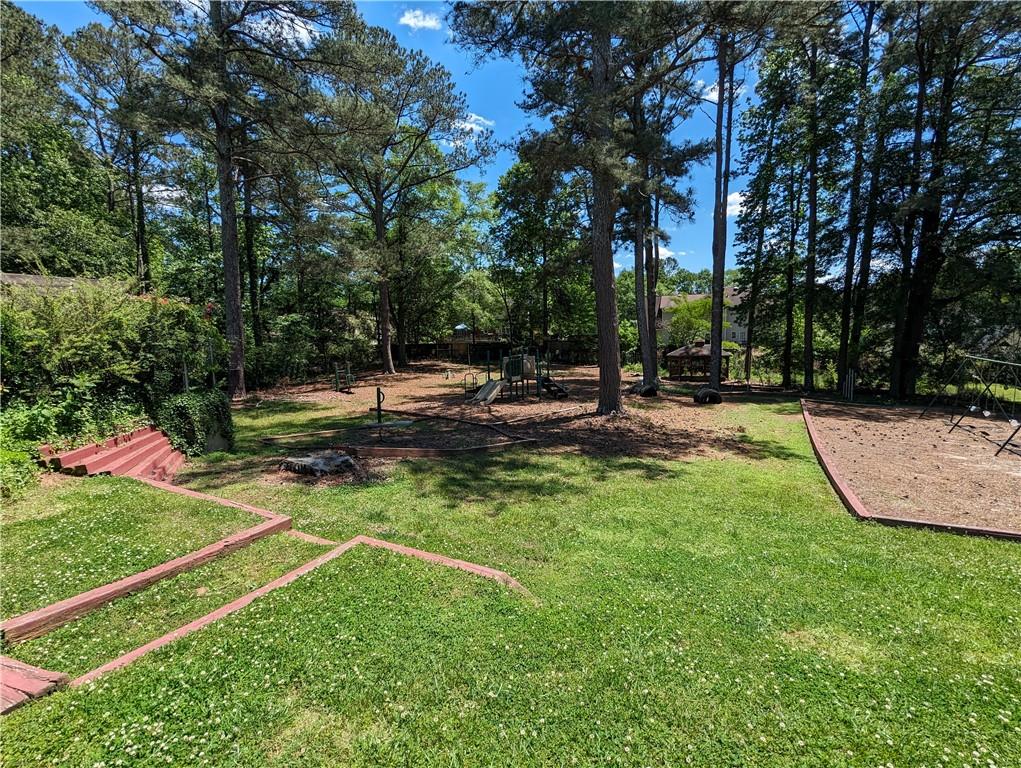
380	397
1009	440
538	374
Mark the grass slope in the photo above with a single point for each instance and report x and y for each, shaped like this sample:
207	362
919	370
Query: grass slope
723	611
85	532
125	624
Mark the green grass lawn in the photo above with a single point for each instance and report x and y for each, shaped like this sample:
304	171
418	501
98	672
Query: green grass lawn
715	612
125	624
71	536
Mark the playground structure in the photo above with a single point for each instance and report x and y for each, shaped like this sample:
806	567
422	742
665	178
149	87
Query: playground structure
986	388
343	382
520	375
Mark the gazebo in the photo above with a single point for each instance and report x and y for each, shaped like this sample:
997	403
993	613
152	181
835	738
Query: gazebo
692	362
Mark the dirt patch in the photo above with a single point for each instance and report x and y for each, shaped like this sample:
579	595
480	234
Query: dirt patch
424	433
670	426
904	466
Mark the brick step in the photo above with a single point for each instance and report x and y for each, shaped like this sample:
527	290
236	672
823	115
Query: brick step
148	466
129	463
111	457
76	455
165	472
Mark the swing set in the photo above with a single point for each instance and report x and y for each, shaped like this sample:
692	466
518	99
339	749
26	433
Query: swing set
985	388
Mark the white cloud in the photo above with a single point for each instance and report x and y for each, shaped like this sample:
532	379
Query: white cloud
617	265
417	19
165	196
666	253
711	92
475	123
735	200
294	29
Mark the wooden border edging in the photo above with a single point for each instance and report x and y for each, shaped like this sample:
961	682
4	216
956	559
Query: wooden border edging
39	622
241	602
165	486
857	508
311	538
20	683
430	557
209	618
410	452
493	425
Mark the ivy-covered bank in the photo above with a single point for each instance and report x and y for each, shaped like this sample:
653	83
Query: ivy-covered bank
85	362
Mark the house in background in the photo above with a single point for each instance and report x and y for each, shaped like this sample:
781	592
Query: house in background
692	362
732	329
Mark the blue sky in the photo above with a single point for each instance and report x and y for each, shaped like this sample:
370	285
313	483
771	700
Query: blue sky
493	90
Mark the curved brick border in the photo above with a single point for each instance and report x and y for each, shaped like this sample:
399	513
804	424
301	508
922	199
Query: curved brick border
287	578
857	508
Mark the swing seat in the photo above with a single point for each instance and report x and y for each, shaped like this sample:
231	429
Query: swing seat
1014	423
986	414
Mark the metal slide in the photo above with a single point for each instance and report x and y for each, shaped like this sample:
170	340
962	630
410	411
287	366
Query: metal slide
489	392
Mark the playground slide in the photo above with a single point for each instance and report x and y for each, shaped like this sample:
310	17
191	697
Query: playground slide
489	392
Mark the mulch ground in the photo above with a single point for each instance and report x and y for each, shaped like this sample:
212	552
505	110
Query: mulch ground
668	427
904	466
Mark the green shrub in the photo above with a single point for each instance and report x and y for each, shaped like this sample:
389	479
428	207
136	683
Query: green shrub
88	362
18	472
290	351
190	419
76	420
100	343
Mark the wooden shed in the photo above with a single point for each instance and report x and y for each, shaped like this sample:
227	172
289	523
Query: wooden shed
692	362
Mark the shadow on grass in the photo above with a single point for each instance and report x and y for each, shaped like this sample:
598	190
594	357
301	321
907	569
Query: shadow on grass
646	451
764	448
520	476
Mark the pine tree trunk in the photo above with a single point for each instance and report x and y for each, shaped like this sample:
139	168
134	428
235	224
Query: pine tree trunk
719	246
647	350
141	239
760	240
867	240
251	262
931	256
402	336
652	282
603	208
854	198
907	243
385	353
808	382
228	223
794	192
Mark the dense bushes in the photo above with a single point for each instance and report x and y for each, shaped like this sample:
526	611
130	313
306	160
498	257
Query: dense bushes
96	340
196	421
86	362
